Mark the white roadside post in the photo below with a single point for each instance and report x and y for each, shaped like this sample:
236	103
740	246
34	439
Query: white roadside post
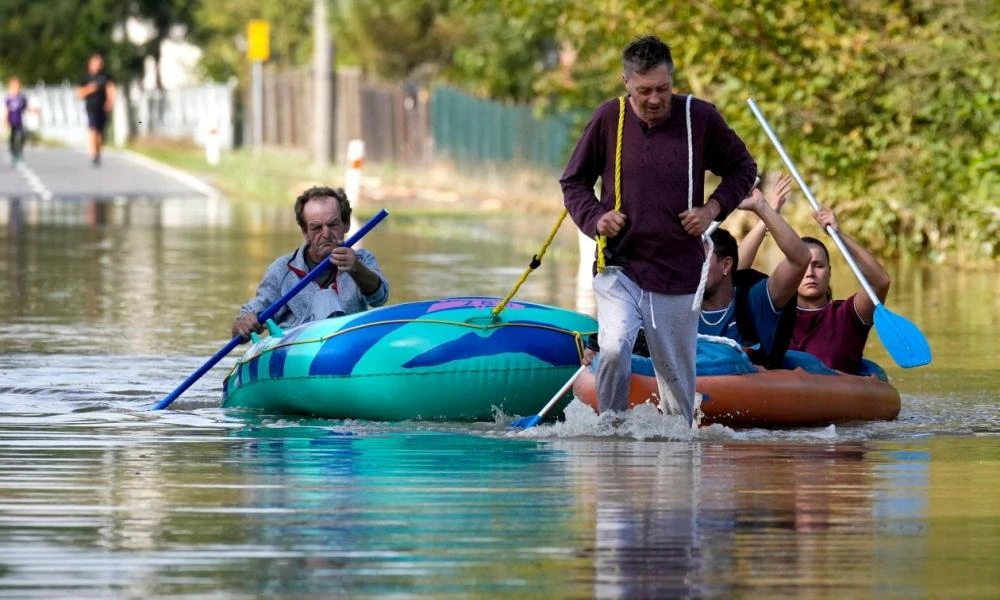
212	150
352	179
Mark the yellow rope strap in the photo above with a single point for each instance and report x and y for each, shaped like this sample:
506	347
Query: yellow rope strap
601	240
579	344
536	262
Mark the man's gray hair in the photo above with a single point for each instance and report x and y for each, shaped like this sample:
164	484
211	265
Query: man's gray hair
646	53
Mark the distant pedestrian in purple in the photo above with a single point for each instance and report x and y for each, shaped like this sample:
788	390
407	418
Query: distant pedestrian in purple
15	106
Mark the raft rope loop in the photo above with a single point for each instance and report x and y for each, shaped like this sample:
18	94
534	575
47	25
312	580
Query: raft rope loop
580	344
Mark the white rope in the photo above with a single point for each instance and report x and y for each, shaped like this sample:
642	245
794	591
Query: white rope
687	121
720	340
707	236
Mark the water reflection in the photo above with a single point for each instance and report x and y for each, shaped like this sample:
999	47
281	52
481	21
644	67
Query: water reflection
427	511
679	520
18	213
200	503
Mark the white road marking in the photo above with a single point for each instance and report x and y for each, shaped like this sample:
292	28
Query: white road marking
182	176
34	181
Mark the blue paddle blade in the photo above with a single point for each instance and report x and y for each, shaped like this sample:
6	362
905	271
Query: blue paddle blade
905	343
527	422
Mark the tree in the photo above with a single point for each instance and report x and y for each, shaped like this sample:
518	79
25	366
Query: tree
394	39
165	19
51	41
221	33
503	55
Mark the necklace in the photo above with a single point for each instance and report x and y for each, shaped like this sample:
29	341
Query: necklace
717	321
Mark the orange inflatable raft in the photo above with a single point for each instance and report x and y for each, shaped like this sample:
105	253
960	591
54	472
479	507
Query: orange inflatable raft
775	399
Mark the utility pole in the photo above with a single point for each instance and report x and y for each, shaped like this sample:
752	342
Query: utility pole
258	51
322	84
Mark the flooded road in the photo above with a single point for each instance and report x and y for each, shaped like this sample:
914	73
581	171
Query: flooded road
110	305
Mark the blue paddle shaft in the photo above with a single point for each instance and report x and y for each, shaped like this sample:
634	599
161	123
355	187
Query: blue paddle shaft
269	312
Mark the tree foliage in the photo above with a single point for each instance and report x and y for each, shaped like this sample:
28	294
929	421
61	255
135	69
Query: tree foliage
50	41
394	39
503	55
221	33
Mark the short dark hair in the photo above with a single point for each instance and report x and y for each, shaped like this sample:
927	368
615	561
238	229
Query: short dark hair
322	191
646	53
725	245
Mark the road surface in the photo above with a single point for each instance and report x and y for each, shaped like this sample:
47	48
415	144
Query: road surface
67	174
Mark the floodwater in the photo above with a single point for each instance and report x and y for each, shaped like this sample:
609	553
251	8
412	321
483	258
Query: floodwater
109	305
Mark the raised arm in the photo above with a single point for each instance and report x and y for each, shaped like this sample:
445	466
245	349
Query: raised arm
783	283
870	267
750	244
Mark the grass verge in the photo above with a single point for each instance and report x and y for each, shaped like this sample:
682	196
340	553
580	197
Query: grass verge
280	175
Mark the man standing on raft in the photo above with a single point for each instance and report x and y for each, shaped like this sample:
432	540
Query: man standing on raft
651	149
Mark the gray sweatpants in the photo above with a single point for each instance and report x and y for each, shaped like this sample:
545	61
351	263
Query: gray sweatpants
671	329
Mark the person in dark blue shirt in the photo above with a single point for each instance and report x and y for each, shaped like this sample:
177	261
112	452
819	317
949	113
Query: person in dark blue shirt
746	305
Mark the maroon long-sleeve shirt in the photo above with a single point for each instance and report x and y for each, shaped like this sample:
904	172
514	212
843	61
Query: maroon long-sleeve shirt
653	248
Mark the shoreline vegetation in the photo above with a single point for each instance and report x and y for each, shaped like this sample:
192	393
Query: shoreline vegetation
442	187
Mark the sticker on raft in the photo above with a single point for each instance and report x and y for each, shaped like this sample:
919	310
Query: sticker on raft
553	347
469	303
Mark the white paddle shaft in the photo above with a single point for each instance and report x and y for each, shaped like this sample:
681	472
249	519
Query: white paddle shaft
812	200
562	391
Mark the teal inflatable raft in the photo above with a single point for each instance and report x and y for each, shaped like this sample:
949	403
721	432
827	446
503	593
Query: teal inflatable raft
444	359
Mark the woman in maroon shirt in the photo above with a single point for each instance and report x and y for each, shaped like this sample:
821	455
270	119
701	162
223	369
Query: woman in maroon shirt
836	330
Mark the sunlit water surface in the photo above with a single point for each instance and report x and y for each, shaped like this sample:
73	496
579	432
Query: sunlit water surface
109	306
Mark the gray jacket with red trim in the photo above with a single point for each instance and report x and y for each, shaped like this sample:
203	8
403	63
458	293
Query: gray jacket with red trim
341	297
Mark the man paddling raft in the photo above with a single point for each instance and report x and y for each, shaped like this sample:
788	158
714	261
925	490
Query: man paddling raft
324	216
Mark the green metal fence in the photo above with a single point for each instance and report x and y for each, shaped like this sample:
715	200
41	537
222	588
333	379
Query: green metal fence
471	130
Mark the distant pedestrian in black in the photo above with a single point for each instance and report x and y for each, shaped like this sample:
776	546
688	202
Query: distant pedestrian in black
97	89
